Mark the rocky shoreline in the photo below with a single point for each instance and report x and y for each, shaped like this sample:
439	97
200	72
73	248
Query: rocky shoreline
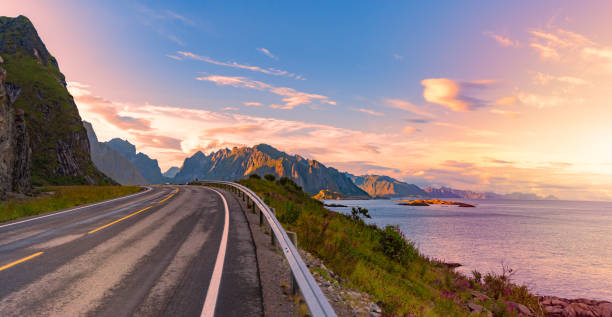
561	307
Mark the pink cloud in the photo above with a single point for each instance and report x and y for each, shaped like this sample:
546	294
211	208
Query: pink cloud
448	93
410	130
252	104
107	110
506	113
502	40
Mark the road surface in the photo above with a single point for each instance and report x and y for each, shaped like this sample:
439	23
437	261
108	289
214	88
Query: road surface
169	251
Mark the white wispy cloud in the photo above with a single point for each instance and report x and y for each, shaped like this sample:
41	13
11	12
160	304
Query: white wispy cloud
176	16
178	58
269	70
291	97
369	111
267	52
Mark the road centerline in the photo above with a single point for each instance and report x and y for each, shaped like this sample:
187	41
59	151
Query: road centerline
118	220
20	261
215	281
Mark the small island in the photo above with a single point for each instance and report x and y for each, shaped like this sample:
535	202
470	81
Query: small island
427	202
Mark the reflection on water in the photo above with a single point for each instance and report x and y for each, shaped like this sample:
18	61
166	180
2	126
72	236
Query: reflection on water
561	248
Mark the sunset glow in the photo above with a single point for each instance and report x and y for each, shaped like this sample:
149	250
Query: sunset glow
517	98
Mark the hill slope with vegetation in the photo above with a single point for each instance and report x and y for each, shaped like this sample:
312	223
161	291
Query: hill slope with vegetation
57	138
381	262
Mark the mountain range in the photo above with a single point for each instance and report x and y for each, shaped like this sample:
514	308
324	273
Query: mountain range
263	159
233	164
148	167
380	186
111	162
447	192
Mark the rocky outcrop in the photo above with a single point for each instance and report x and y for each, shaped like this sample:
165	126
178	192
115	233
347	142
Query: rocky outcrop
386	187
37	89
111	162
263	159
561	307
148	167
329	195
15	152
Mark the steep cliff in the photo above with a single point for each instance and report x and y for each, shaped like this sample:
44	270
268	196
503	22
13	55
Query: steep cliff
15	152
263	159
385	186
148	167
57	138
111	162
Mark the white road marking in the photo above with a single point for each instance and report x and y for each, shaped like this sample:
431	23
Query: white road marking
213	289
77	208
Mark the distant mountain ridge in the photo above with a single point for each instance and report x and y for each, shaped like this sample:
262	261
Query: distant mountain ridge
111	162
447	192
148	167
263	159
386	187
171	172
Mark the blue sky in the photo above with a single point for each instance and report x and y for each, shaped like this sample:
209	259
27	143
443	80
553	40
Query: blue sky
483	95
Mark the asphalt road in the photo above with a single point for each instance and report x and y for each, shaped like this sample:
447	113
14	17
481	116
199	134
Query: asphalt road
170	251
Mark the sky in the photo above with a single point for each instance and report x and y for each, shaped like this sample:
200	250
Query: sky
497	96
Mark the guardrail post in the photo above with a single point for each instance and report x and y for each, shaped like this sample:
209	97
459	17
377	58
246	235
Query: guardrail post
272	241
261	220
293	237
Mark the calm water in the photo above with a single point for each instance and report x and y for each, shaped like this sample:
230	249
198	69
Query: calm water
561	248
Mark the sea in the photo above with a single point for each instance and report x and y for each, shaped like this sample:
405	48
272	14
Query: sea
560	248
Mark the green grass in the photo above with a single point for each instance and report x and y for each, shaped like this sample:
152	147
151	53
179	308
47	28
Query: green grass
60	197
381	262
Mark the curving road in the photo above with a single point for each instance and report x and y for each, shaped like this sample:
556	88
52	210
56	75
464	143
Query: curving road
169	251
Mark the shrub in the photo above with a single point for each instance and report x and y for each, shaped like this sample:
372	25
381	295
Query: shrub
394	245
270	177
357	213
289	184
254	176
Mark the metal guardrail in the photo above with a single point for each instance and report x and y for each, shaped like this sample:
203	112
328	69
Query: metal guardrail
313	296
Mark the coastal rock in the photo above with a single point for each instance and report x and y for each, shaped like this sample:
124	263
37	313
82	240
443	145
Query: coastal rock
562	307
475	308
522	309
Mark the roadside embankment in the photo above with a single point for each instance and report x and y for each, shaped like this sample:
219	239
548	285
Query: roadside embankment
54	198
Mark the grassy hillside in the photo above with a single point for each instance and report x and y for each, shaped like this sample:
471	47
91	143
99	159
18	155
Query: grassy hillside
60	197
381	262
